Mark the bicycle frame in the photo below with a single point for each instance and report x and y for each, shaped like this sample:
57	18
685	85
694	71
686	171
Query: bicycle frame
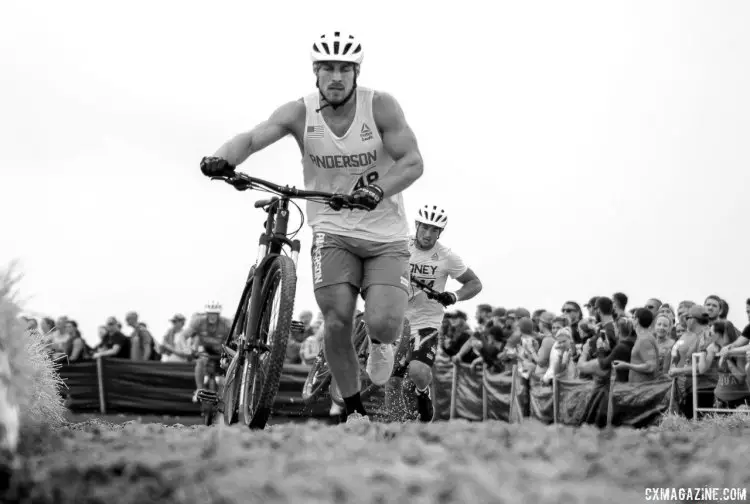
270	245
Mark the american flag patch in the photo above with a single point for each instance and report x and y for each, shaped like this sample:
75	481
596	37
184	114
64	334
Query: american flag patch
315	131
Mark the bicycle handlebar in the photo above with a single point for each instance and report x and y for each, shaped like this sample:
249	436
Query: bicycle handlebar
242	182
426	288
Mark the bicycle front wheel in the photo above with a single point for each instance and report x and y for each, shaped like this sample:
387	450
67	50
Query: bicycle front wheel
262	367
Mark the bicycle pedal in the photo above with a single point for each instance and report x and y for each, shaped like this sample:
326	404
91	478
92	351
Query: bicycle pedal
208	396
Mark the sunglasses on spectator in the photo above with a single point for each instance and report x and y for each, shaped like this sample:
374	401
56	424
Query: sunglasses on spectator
568	310
650	307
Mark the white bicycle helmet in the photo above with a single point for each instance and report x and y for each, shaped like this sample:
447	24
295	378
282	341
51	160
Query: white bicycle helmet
213	307
337	46
432	215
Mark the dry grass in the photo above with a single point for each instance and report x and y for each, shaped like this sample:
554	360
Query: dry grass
30	381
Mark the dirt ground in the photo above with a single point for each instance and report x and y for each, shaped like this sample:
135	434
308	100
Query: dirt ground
96	461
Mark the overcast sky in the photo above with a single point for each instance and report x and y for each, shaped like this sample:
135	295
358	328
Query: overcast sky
580	148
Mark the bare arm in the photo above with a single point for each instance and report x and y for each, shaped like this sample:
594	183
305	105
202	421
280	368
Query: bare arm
280	124
400	143
470	285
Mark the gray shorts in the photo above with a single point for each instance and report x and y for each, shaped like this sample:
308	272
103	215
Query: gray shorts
340	259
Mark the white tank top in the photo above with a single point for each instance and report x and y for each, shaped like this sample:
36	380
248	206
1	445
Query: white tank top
338	164
431	267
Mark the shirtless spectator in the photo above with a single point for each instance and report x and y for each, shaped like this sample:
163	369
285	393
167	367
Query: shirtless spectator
174	347
644	358
115	344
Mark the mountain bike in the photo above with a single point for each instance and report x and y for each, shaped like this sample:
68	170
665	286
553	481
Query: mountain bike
254	350
320	375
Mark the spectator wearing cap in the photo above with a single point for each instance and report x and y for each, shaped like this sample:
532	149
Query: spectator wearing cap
572	311
695	340
115	344
644	358
664	341
174	347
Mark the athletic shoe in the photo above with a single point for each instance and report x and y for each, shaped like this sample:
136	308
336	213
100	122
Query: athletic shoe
356	418
380	363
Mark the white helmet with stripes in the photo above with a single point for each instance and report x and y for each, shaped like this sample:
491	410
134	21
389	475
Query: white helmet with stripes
337	46
432	215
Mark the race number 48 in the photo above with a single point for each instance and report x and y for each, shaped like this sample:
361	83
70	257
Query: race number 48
366	179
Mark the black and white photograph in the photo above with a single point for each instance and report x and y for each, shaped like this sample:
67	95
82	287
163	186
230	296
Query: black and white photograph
393	252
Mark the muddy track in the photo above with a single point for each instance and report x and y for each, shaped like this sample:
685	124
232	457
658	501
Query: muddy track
457	462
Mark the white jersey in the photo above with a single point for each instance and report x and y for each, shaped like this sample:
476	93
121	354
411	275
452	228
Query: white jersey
339	164
431	267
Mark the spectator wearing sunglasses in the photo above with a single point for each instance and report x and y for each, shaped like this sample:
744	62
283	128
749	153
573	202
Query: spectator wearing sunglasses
572	311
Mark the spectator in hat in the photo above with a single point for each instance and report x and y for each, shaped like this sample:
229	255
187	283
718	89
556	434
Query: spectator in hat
115	344
174	347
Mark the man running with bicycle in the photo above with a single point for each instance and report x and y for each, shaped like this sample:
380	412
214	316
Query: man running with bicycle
353	141
431	264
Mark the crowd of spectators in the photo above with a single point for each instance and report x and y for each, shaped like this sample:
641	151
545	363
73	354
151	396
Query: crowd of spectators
638	345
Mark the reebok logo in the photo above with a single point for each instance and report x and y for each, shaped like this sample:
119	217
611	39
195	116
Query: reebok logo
366	133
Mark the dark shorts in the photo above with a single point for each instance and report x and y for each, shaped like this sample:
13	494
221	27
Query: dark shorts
422	348
361	263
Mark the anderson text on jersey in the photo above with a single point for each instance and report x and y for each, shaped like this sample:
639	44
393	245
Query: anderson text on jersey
345	161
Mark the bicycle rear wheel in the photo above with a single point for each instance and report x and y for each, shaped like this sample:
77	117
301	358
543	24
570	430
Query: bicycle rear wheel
262	369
